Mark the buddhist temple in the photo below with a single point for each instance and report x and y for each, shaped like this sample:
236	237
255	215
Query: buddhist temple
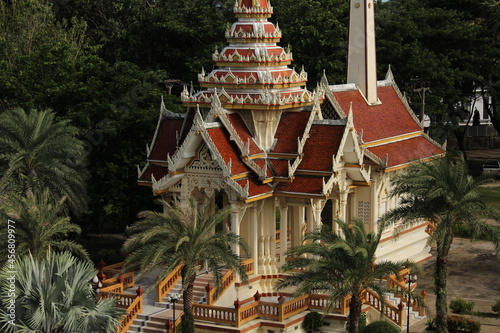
285	159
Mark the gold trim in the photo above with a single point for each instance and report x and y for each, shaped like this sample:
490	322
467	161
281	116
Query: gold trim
253	63
392	139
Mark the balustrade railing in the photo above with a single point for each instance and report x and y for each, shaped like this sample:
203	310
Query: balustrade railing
131	303
167	283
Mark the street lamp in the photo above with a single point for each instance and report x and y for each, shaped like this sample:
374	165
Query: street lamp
173	298
96	284
410	278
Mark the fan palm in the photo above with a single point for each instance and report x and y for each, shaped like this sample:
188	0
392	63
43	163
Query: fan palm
442	192
38	152
339	266
183	237
54	294
40	225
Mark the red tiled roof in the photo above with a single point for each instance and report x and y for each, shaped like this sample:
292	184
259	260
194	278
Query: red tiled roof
157	170
291	127
302	184
166	139
227	149
323	143
405	151
241	128
280	167
382	121
255	187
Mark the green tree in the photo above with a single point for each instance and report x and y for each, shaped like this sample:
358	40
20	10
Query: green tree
40	223
449	46
183	236
317	33
54	294
442	192
37	152
340	266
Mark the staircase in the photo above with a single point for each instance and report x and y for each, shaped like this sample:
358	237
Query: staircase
155	319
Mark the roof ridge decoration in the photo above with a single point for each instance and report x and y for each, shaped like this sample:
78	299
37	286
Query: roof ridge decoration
357	150
301	142
164	114
200	129
406	104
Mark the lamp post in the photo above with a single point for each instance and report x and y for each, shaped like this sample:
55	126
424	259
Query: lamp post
410	278
173	298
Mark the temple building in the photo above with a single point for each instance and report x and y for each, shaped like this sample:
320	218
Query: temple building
288	160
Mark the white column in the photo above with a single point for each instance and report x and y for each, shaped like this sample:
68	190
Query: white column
254	238
283	231
235	225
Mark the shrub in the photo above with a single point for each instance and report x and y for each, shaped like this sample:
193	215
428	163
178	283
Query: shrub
462	324
430	323
461	306
312	321
380	327
496	307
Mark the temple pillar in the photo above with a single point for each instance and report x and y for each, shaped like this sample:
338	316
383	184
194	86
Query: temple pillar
283	231
235	225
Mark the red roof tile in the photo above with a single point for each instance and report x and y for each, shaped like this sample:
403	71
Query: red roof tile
405	151
157	170
323	143
227	149
280	167
255	187
166	139
302	184
291	127
382	121
241	128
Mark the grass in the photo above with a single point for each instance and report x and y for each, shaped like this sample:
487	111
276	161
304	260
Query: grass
491	196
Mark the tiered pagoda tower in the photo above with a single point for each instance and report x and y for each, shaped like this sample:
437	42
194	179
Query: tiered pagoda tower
252	75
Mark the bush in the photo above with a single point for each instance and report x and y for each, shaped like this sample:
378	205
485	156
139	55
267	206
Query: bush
430	323
312	321
361	322
462	324
496	307
461	306
380	327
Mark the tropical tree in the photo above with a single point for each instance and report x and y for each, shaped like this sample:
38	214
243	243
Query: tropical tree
54	294
340	266
183	236
442	192
40	225
37	152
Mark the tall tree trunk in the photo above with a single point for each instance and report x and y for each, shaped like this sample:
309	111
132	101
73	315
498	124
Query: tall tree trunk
187	318
441	278
354	313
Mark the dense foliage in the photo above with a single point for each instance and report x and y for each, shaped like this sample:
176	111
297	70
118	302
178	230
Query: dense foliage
104	64
380	327
54	294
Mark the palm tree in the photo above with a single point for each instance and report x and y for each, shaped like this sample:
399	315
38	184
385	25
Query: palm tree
442	192
38	152
40	225
54	294
183	237
340	266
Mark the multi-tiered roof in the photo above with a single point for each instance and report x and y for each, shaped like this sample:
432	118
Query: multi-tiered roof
252	71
